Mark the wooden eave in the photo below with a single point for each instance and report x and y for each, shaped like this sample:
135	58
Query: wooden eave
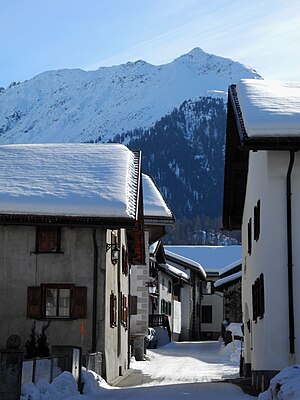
64	220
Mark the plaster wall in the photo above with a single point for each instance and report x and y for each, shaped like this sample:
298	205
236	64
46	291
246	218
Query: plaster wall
269	337
216	301
116	338
22	267
139	276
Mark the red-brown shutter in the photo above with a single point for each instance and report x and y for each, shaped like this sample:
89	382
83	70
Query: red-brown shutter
34	302
79	302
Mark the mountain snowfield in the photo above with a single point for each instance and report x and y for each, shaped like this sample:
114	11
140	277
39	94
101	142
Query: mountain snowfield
79	106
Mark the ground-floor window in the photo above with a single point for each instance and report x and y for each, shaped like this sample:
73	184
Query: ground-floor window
49	301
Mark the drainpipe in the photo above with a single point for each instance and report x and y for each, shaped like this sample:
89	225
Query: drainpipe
95	292
290	258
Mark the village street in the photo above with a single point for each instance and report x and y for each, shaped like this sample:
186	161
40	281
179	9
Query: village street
187	370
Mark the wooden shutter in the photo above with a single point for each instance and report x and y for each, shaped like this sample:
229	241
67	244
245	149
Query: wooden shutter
34	302
124	313
261	296
257	221
48	239
124	261
79	302
113	310
250	236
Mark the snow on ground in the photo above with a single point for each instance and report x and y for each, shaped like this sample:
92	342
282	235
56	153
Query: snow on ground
185	370
284	386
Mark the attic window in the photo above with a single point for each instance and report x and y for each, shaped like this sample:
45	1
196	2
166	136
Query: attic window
48	239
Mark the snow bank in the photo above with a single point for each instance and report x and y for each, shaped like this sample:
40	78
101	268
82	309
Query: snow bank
284	386
232	352
65	387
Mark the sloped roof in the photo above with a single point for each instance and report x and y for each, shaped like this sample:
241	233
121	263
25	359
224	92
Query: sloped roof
155	206
262	115
69	180
181	260
211	258
220	284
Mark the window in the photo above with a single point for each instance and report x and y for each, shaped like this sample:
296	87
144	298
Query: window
206	314
207	287
257	221
48	239
57	302
258	298
113	310
133	305
60	301
169	287
250	236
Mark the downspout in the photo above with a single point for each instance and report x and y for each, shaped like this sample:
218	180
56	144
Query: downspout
290	258
95	292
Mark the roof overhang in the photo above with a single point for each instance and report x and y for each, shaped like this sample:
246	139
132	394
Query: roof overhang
238	145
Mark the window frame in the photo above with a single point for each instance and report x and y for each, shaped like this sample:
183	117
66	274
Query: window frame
36	301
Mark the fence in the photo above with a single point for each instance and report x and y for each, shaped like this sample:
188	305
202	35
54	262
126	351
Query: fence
40	368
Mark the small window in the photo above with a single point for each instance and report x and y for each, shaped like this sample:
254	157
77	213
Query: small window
133	305
56	301
250	236
206	314
257	221
207	287
169	287
48	239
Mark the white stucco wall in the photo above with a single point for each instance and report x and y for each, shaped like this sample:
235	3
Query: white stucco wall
269	339
216	301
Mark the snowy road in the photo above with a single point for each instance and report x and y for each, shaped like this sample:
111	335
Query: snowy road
186	370
177	371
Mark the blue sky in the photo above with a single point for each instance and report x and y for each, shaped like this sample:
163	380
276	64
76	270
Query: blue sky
40	35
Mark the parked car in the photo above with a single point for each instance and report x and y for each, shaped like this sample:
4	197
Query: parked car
151	339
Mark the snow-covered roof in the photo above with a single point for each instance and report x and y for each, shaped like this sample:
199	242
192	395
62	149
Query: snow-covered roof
154	204
269	108
230	267
175	271
94	180
183	259
228	279
211	258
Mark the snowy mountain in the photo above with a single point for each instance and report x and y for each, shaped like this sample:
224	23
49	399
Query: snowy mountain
77	106
175	113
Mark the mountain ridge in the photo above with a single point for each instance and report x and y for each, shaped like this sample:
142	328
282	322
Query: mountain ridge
76	105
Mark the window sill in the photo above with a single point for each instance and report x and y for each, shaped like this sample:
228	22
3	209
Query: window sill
47	252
